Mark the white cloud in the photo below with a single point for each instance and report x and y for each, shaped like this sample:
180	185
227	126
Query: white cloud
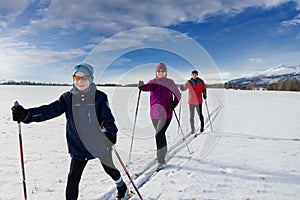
15	56
298	4
292	22
104	17
115	16
10	10
256	60
136	38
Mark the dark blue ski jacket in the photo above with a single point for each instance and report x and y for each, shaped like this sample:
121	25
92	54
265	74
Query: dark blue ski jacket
84	112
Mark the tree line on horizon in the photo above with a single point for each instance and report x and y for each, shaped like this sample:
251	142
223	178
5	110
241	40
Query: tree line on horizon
33	83
286	85
217	85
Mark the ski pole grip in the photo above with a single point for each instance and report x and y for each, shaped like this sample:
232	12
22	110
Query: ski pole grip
16	103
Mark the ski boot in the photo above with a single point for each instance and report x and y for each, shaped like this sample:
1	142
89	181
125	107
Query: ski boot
123	192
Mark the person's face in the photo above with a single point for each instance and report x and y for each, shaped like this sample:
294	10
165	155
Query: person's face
194	75
81	81
161	73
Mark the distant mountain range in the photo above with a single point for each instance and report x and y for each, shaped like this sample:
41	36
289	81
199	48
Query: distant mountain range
270	76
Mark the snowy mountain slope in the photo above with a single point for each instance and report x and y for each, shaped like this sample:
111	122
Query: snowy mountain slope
272	75
282	70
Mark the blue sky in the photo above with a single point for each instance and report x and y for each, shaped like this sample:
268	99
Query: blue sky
43	40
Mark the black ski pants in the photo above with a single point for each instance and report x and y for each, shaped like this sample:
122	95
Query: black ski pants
76	169
161	126
198	107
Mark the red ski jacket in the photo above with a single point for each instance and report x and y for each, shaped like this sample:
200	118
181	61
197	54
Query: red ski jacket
196	88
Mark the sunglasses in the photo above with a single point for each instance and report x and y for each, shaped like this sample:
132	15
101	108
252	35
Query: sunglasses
160	71
78	78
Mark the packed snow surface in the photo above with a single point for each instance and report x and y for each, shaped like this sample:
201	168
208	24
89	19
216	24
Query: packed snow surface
250	152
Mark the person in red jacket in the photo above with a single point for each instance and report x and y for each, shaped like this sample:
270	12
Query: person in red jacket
196	87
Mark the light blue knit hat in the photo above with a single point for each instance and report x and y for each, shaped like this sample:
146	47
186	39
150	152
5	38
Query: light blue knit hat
85	68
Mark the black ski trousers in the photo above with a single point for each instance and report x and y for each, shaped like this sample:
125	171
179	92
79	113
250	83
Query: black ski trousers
161	126
192	115
76	169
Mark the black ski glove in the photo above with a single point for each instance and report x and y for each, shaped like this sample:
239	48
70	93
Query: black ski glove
19	113
204	96
110	139
181	87
141	84
172	105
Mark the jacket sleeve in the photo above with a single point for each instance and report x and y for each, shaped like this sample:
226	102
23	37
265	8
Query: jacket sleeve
186	85
148	86
204	89
106	117
176	92
46	112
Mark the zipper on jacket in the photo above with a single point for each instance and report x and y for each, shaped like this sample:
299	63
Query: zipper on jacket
89	117
160	97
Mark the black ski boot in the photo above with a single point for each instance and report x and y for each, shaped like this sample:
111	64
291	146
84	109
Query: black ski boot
202	129
122	192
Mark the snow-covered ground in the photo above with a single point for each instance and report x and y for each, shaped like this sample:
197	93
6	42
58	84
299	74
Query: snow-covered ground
252	152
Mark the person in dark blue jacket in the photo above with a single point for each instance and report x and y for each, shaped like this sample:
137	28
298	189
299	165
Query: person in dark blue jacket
90	127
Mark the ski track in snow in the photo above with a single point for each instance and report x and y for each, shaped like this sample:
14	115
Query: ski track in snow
141	178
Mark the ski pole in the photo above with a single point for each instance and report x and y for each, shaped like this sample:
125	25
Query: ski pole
182	132
208	115
135	117
179	115
21	155
127	173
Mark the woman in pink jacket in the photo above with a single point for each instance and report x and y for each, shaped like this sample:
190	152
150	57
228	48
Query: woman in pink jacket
164	97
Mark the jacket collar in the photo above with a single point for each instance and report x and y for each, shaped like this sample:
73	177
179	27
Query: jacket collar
90	90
